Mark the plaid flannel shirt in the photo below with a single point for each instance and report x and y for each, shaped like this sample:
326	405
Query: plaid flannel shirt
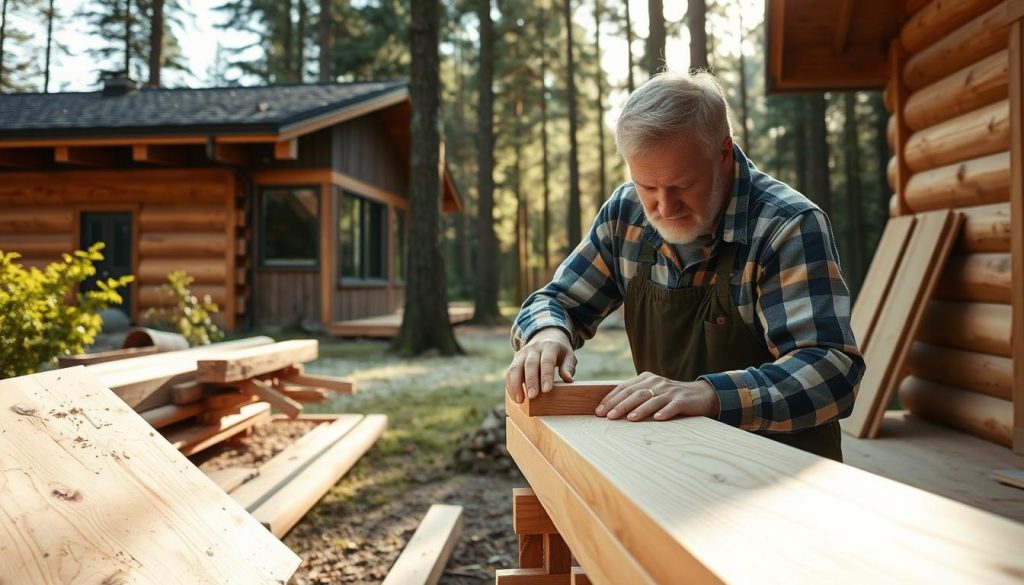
786	285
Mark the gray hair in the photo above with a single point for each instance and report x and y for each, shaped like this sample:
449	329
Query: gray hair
672	106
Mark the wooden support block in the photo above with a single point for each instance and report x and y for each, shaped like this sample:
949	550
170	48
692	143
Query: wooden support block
169	414
528	515
579	577
557	557
1010	477
280	401
284	466
186	392
568	398
230	478
193	439
288	505
328	382
529	577
423	559
247	363
531	551
287	149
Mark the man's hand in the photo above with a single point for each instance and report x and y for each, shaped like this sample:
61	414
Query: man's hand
535	363
648	394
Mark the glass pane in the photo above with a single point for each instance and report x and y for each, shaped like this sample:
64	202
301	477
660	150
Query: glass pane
376	244
350	235
289	225
122	243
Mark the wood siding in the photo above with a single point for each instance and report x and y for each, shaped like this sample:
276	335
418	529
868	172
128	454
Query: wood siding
284	298
364	150
356	302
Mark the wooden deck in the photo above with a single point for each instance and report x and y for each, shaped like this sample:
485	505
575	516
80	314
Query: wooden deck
387	326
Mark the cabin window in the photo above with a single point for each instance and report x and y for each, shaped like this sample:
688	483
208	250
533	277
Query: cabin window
290	227
362	238
401	229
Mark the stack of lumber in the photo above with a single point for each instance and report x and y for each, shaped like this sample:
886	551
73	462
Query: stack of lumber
90	494
201	396
649	502
279	492
957	139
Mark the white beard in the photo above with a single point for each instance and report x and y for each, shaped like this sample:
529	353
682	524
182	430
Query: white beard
701	224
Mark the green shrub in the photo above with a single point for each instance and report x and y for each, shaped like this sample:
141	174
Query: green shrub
37	324
181	311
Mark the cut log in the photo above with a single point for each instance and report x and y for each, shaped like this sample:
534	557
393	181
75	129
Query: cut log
284	466
977	85
285	508
270	394
247	363
975	134
979	372
986	229
980	415
37	220
879	277
939	19
169	414
203	270
48	246
182	245
980	181
152	295
192	439
979	278
528	515
230	478
423	559
200	218
968	44
980	327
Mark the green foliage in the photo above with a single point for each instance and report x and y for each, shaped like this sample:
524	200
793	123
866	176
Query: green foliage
182	311
36	324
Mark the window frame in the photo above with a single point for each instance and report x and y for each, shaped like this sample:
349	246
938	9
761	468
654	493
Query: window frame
261	253
363	212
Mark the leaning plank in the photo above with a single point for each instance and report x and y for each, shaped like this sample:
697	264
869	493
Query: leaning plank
879	277
195	438
423	559
230	478
1011	477
90	493
680	494
901	313
284	466
285	508
267	392
568	398
247	363
169	414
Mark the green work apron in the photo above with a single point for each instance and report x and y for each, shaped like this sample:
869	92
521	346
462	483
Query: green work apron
685	333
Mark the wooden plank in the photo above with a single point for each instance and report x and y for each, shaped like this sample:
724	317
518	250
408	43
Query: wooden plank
1011	477
284	466
288	505
230	478
568	398
304	395
244	364
169	414
281	402
879	277
528	515
423	559
87	359
529	577
1017	224
79	484
214	416
328	382
193	439
899	317
716	485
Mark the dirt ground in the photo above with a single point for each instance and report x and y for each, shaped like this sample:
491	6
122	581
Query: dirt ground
355	533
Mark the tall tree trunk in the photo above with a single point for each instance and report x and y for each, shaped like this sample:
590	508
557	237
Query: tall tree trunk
156	43
300	43
855	223
522	233
3	37
49	47
425	323
601	171
325	41
127	37
466	277
486	301
696	22
546	221
630	82
818	179
287	43
655	54
743	87
575	234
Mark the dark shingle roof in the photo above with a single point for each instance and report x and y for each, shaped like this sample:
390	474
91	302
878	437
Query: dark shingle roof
179	111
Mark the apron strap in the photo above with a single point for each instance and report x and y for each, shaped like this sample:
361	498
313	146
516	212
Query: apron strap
646	259
724	264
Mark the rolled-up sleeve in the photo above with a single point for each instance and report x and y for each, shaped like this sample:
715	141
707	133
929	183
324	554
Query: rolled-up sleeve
803	306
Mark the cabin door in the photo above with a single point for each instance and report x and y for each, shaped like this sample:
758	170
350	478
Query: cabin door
114	229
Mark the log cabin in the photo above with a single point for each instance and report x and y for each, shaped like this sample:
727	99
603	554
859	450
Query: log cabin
285	203
952	74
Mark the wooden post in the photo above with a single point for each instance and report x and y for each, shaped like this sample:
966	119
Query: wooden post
897	59
1017	223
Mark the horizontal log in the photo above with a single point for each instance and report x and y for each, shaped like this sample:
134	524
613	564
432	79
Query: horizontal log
890	131
891	169
986	229
971	135
979	181
980	327
152	296
49	246
203	270
969	43
974	86
203	218
979	372
182	245
980	278
980	415
938	19
37	220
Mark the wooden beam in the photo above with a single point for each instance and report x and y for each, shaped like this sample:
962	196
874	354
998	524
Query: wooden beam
528	515
287	149
568	398
423	559
159	154
271	395
83	156
1017	225
243	364
20	158
846	8
329	382
230	478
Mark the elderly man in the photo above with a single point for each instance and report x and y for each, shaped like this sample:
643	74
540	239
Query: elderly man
735	307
